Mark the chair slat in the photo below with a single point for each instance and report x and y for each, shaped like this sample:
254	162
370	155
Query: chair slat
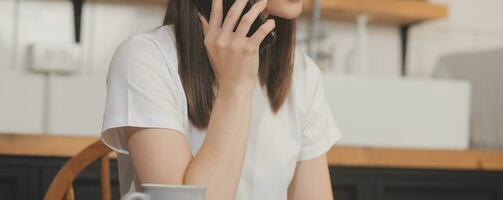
70	194
106	191
63	180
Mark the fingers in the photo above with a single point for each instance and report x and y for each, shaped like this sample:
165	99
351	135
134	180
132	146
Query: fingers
216	14
248	19
261	33
233	16
204	23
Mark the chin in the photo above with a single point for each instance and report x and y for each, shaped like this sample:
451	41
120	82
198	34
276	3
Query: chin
285	10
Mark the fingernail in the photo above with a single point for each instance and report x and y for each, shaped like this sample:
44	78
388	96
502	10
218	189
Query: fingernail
199	14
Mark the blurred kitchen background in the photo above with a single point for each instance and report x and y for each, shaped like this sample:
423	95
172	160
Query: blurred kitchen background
414	84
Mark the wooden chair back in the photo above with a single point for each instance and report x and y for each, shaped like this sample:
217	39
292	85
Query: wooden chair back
61	186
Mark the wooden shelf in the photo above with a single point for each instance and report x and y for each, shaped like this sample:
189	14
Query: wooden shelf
43	145
397	12
484	160
381	11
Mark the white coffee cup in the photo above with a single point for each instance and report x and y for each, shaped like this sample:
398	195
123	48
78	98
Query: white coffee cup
167	192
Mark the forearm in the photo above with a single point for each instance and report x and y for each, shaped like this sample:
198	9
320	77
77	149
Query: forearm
311	180
220	159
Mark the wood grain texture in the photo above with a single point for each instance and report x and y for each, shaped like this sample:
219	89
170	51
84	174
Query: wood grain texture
416	158
64	179
395	12
106	187
489	160
380	11
70	194
43	145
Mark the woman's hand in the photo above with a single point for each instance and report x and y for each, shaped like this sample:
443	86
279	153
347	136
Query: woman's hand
233	56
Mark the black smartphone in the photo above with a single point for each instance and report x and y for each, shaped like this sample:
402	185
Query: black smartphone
204	7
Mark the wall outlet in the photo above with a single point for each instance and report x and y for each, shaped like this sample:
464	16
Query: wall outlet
55	57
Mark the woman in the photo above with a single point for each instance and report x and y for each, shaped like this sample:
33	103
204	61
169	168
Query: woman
194	102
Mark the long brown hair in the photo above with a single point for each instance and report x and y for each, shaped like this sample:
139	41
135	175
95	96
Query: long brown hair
196	74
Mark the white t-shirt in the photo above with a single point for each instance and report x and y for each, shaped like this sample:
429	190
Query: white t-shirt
144	90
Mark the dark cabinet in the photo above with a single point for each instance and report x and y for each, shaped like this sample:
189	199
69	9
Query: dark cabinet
27	178
12	181
352	183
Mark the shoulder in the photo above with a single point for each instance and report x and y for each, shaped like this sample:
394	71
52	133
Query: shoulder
145	51
155	41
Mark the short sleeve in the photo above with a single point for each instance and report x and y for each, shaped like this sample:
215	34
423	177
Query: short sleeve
319	132
141	92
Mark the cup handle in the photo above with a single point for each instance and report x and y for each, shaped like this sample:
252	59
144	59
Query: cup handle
135	196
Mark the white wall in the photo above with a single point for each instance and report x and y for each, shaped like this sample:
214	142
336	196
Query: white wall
471	25
7	14
383	46
111	22
22	102
42	21
62	103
